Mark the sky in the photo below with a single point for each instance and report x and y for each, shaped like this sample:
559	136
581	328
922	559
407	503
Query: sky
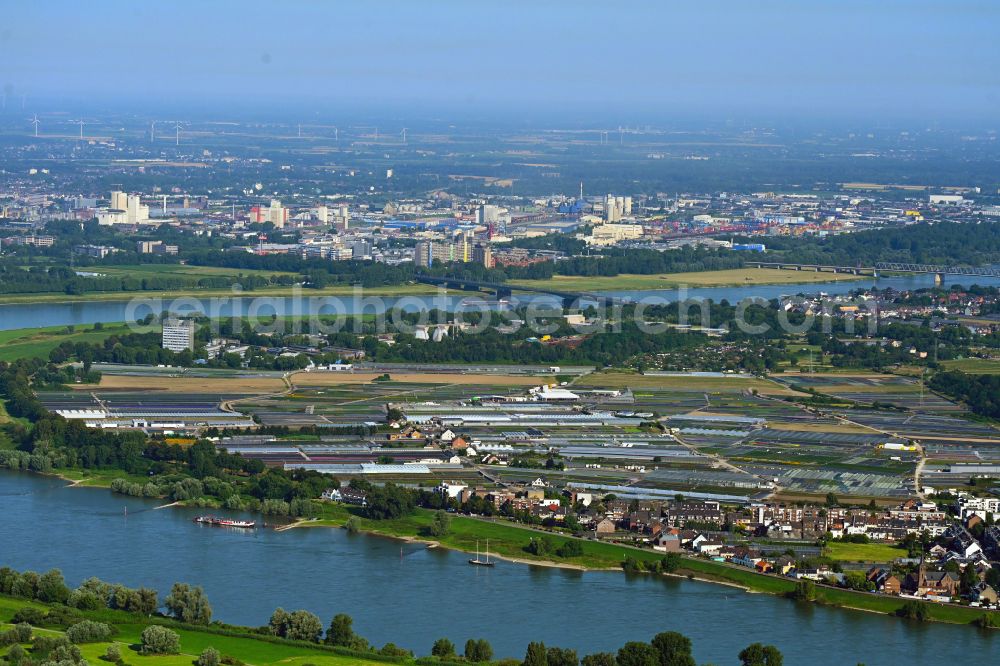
879	59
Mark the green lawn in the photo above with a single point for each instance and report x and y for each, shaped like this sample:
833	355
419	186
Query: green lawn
863	552
38	342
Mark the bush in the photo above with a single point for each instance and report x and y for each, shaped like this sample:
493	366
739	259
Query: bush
392	650
209	657
32	616
113	653
89	631
160	640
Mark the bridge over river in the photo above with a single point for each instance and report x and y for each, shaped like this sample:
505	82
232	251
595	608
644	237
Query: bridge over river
504	290
939	272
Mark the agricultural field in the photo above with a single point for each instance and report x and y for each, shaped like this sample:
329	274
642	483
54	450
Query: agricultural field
974	366
682	382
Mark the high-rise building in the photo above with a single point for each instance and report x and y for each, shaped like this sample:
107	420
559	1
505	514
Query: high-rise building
341	218
423	254
119	201
361	249
482	254
178	335
277	214
136	212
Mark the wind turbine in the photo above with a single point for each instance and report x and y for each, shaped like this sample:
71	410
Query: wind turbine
152	131
300	130
404	134
336	133
177	135
34	121
80	123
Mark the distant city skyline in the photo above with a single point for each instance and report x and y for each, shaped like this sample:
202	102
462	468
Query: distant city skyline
888	60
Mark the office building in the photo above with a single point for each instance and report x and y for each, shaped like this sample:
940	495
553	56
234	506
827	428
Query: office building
178	335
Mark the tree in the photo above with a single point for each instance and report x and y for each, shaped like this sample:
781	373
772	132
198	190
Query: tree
341	631
757	654
443	649
635	653
536	655
913	610
159	640
297	626
478	650
969	580
188	604
562	657
279	621
674	649
599	659
441	524
52	587
804	591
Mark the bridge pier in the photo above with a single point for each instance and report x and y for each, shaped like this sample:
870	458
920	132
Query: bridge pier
938	279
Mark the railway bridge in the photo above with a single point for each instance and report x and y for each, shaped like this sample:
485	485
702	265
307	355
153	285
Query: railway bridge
939	272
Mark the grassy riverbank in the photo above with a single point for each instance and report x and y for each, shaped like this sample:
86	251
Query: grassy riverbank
508	541
735	277
236	642
167	296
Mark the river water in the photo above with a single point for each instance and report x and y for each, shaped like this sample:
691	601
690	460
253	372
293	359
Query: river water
411	595
29	315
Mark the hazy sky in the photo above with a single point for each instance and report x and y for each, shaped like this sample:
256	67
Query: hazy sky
877	58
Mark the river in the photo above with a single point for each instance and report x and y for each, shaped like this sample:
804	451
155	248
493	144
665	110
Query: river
409	594
30	315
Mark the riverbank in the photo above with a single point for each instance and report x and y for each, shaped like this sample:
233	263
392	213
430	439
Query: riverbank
735	277
509	540
411	289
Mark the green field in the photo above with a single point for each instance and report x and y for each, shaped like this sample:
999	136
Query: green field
247	648
38	342
723	278
974	366
862	552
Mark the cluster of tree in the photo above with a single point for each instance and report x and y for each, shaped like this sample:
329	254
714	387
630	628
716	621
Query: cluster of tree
93	594
943	243
668	648
980	392
546	546
669	563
